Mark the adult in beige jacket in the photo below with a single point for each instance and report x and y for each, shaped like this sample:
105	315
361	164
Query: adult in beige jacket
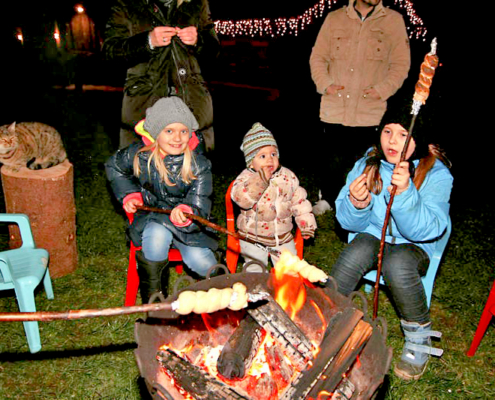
361	57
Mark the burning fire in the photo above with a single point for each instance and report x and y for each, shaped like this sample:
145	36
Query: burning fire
271	371
290	291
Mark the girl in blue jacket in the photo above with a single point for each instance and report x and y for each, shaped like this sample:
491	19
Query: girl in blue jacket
165	172
419	217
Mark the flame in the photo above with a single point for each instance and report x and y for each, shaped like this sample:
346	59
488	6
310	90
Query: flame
209	322
290	292
320	314
260	364
358	362
324	393
165	346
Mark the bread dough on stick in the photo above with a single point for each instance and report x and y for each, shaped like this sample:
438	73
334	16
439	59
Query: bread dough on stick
201	302
292	265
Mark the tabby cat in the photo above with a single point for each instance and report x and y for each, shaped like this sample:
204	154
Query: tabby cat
30	144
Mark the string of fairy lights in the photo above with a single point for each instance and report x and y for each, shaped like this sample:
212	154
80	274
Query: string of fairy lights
263	27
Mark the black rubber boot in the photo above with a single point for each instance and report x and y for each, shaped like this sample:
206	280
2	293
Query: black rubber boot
150	276
164	279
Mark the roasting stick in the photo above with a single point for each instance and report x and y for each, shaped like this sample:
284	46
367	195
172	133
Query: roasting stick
191	300
236	299
422	90
216	227
202	220
310	272
80	314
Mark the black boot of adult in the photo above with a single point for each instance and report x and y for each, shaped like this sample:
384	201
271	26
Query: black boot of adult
150	276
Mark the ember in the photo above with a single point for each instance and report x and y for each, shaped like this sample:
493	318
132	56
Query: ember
269	351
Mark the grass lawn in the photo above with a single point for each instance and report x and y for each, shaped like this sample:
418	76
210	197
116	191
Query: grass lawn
93	358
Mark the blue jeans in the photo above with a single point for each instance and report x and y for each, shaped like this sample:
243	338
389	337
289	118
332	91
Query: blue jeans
157	240
402	267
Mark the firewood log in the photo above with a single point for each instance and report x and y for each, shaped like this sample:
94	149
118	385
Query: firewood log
238	353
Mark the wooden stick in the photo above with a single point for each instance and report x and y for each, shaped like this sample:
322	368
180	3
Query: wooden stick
79	314
216	227
197	218
385	224
421	93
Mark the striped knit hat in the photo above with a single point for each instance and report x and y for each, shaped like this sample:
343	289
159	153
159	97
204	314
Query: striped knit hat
256	138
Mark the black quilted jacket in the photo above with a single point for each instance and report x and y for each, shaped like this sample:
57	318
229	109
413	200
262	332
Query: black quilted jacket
151	73
156	193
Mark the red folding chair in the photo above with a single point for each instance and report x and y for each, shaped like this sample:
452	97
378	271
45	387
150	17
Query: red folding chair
233	245
132	275
486	317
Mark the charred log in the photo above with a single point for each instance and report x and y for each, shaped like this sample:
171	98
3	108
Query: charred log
195	381
338	331
345	390
263	388
275	321
239	351
280	369
344	359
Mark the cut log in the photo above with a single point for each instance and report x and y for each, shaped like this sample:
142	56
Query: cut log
280	369
239	351
344	359
340	327
46	196
191	379
262	387
274	320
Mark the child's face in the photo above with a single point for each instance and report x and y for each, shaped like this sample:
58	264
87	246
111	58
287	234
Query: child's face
392	140
266	158
173	139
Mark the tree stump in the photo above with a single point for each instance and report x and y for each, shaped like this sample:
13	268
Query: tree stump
46	196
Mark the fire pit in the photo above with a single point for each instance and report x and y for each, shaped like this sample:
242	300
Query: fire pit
322	348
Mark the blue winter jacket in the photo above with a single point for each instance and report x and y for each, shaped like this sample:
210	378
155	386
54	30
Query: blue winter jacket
417	216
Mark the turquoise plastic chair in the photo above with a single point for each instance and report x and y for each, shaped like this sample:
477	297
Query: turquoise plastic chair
23	269
429	278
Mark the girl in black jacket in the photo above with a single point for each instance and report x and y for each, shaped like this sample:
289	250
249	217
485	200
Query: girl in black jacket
165	172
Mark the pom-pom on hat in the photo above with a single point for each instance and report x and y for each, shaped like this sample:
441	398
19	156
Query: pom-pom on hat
256	138
166	111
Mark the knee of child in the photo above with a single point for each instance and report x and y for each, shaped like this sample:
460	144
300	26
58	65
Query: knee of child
199	259
156	242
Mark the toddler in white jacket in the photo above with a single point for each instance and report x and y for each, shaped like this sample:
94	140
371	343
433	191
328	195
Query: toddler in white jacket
269	197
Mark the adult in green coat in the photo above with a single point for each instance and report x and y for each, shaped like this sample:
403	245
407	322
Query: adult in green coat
160	41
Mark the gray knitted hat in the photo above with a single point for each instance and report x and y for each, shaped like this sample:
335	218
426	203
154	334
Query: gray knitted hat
166	111
256	138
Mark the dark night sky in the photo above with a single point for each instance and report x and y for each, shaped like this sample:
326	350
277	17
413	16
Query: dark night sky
221	9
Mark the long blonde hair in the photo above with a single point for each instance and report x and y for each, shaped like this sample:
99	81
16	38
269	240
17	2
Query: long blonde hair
187	175
373	162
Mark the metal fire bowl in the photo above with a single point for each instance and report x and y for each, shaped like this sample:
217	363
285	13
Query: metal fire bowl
168	327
